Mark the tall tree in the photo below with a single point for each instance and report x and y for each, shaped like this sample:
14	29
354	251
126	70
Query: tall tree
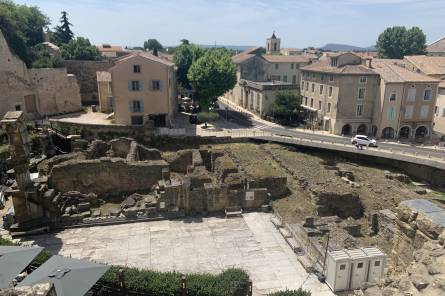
63	33
153	45
183	57
80	49
212	75
286	105
22	27
396	42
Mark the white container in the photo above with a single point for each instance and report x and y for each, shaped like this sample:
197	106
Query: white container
376	265
359	268
337	274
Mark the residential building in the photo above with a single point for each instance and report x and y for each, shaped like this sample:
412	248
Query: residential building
291	51
111	51
37	92
104	91
340	92
433	66
143	87
273	45
437	48
406	103
286	68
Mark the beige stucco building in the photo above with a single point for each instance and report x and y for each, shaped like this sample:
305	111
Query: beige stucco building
433	66
111	51
104	91
340	92
37	92
437	48
143	87
405	107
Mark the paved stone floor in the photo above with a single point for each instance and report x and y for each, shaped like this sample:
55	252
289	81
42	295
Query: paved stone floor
208	245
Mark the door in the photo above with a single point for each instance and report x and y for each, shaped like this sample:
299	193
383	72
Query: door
358	274
30	104
375	270
341	278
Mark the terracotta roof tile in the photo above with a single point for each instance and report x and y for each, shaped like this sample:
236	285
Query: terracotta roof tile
146	55
427	64
325	67
108	48
286	59
437	46
391	72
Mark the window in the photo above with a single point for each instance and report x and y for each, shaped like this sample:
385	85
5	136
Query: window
342	266
312	102
361	93
307	85
313	87
412	94
137	120
305	101
363	79
443	112
302	84
409	112
334	62
359	265
277	66
331	78
359	110
276	77
377	263
392	97
136	69
322	77
330	91
18	108
427	94
424	111
136	106
285	78
155	85
436	111
321	89
291	66
329	107
135	85
294	79
313	75
391	113
319	105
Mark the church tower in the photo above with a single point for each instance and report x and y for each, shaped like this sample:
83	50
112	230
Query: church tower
273	45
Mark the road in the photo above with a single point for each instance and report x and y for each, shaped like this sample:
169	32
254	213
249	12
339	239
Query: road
248	121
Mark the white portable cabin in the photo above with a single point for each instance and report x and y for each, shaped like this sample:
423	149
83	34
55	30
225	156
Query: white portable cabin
376	265
359	268
337	274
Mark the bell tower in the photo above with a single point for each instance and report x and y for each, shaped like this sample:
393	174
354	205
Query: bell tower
273	45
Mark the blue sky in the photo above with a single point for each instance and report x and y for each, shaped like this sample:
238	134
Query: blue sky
245	22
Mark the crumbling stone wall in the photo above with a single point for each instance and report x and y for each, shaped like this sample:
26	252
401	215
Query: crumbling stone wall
106	175
342	204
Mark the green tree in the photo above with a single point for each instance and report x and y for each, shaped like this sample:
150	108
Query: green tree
42	58
23	27
63	33
80	49
396	42
153	45
286	105
184	56
212	75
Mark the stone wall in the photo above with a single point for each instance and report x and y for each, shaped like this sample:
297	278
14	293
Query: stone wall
85	72
106	175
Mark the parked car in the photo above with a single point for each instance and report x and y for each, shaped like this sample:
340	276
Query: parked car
363	141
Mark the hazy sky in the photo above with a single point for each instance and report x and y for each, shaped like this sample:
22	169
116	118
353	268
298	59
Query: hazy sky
245	22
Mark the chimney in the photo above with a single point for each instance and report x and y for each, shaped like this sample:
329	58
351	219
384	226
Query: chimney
370	63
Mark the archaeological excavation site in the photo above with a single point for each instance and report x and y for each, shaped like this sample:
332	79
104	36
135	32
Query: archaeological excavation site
352	224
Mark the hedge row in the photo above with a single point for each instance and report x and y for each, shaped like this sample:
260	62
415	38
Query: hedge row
231	282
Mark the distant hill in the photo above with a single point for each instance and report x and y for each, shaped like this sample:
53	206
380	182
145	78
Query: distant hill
345	47
232	47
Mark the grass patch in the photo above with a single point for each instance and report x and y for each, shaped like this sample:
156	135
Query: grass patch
207	117
299	292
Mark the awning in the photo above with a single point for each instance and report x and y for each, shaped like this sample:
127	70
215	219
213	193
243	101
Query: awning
71	277
309	108
13	260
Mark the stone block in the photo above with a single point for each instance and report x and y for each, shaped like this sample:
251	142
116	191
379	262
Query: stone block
85	214
96	213
83	206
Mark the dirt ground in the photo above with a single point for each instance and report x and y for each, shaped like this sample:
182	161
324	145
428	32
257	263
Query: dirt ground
376	192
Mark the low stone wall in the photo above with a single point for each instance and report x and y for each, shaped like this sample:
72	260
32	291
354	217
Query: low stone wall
106	175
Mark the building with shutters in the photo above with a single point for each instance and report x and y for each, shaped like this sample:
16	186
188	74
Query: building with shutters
143	87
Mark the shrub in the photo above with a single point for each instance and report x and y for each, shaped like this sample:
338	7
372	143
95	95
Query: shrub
207	116
230	282
299	292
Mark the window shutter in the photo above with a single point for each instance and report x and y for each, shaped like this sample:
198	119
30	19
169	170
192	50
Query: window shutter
129	85
130	106
161	85
142	105
141	85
